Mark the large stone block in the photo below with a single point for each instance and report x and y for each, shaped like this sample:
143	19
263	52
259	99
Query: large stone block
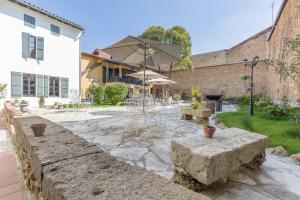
209	160
99	176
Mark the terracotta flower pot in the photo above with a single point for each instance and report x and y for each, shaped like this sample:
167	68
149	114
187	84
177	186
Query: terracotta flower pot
38	129
209	131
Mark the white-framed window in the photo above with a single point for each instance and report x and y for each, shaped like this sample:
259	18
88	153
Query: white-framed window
54	86
29	85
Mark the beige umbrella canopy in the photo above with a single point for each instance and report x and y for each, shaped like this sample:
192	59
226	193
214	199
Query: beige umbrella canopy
148	75
160	81
133	50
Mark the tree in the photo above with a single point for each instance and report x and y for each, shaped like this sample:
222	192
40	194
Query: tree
177	35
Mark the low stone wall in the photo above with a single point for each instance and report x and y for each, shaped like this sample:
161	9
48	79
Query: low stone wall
65	166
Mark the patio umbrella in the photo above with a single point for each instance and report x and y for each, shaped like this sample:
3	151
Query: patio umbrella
148	75
161	81
133	50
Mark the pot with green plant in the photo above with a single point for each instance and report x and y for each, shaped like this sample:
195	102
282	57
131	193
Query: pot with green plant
42	102
208	130
24	106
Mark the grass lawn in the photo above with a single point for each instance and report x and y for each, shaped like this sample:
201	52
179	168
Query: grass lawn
281	132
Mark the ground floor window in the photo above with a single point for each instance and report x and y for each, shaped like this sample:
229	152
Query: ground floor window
53	86
37	85
29	85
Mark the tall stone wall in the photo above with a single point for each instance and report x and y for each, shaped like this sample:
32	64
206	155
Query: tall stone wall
223	79
288	26
220	71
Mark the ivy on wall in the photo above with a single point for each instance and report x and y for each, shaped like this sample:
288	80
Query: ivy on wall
288	66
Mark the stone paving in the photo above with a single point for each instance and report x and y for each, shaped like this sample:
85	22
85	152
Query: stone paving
145	141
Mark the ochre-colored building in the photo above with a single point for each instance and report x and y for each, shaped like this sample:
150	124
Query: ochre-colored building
100	67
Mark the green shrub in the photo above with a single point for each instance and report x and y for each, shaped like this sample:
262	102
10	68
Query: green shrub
42	102
247	123
115	93
263	102
97	93
258	96
245	99
176	97
277	111
121	103
295	116
2	90
23	102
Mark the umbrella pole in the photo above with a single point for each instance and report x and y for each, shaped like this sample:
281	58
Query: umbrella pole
144	87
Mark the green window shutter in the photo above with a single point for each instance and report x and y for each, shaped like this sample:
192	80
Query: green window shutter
16	84
46	86
64	84
40	48
25	45
40	85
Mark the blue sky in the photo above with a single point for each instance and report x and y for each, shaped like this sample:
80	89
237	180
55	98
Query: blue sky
212	24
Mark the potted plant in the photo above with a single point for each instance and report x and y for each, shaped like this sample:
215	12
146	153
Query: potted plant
208	130
197	99
42	102
24	106
176	97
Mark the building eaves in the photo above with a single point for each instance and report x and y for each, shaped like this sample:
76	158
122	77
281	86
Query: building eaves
46	13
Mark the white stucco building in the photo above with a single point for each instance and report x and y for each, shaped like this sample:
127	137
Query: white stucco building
40	53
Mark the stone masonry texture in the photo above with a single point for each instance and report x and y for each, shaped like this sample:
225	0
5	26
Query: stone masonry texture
220	72
209	160
68	167
287	27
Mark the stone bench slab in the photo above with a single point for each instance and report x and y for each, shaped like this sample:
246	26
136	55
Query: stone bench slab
195	112
209	160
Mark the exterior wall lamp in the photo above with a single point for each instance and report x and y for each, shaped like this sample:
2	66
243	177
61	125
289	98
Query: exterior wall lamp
251	63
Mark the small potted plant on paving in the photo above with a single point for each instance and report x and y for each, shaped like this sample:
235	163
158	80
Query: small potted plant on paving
41	102
24	106
208	130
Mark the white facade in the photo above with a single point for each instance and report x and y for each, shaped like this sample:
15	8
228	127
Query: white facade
61	52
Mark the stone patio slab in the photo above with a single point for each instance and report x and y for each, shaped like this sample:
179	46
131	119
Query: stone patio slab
209	160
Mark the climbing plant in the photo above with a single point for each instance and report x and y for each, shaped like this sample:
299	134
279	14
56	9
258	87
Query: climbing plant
288	66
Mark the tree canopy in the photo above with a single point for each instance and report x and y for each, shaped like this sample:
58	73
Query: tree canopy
177	35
